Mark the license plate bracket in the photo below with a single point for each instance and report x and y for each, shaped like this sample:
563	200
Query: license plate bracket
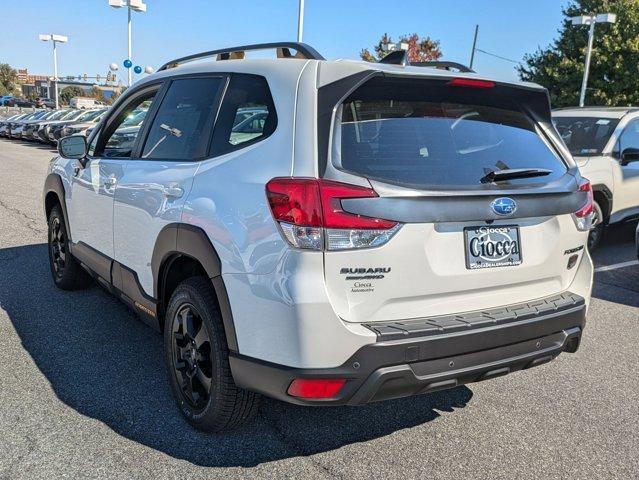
492	246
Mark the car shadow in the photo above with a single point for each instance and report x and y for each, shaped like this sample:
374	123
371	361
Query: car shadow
107	365
620	285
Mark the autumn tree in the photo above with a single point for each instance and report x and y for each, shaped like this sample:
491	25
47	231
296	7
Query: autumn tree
614	68
420	49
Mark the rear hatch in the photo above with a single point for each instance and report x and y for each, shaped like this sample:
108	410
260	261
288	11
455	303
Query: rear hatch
481	204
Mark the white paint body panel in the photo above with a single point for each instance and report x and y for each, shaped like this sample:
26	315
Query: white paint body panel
141	210
429	277
90	202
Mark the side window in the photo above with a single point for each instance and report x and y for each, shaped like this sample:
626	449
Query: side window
181	128
630	136
92	145
129	123
247	114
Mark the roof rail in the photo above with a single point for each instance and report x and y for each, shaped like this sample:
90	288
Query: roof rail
400	57
283	50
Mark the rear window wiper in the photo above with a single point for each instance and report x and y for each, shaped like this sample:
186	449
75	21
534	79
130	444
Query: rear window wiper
512	173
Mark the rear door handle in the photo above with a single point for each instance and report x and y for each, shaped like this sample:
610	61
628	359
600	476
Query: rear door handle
172	191
110	182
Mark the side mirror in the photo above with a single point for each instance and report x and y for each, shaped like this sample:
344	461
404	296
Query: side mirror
74	147
629	155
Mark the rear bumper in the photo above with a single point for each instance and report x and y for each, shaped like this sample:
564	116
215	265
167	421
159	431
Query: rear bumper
421	364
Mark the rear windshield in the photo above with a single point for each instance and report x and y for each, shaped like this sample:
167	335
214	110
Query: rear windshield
437	136
585	136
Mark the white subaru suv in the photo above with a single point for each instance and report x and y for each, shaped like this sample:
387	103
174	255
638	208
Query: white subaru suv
605	144
327	232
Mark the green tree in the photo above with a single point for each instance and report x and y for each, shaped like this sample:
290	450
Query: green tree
97	94
614	68
419	49
70	92
8	79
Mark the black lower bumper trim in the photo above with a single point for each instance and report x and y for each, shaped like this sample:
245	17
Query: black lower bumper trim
417	365
430	376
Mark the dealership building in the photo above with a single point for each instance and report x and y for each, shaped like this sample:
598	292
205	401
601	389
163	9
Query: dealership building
40	85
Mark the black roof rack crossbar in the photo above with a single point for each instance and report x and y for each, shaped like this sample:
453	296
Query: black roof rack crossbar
303	50
444	66
400	57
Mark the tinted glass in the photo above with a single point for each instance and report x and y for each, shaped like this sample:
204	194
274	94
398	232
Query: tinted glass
247	114
437	137
129	123
181	128
585	136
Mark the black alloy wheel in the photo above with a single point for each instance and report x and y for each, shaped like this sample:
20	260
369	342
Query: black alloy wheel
66	271
58	248
192	364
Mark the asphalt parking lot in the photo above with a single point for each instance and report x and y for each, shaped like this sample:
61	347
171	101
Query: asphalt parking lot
83	391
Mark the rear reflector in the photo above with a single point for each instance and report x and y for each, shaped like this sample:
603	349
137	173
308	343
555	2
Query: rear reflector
310	209
583	216
470	82
316	388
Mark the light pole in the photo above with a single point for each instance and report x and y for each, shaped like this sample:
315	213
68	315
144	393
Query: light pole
590	20
136	6
55	39
300	21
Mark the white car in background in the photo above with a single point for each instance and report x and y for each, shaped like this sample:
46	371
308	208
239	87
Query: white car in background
605	144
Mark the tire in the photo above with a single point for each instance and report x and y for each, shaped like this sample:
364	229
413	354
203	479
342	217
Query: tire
196	353
66	271
597	231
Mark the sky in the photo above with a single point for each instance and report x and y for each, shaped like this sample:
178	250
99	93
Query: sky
336	28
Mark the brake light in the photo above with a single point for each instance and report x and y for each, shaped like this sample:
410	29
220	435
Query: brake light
309	211
471	82
583	216
316	388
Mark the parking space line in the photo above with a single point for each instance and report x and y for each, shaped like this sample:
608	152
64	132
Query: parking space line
606	268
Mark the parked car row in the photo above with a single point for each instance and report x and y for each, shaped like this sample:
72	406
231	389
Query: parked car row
12	101
48	126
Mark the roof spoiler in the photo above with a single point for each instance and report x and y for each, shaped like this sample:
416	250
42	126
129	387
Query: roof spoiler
400	57
302	50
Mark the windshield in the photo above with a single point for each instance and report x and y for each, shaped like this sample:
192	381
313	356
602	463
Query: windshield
37	115
90	115
585	136
73	114
432	137
58	114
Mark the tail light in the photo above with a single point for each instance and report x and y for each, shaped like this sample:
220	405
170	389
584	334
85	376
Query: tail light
583	216
316	388
310	214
